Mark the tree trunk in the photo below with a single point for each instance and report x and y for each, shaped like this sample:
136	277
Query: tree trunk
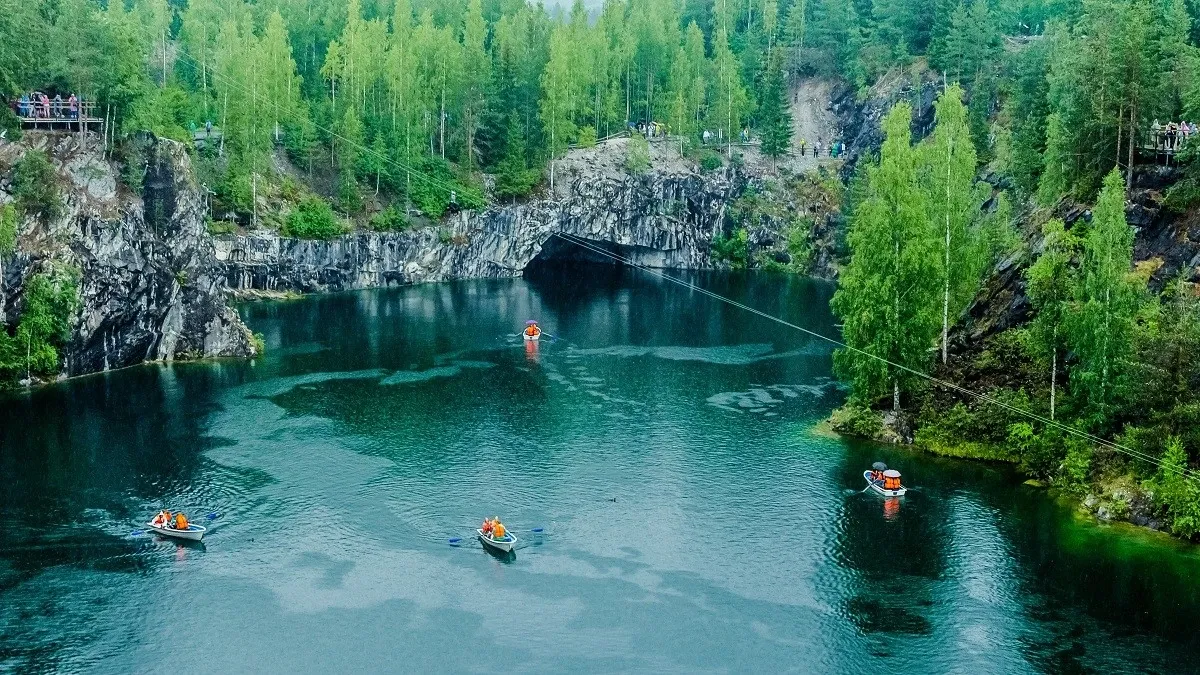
895	395
946	270
1053	373
1132	136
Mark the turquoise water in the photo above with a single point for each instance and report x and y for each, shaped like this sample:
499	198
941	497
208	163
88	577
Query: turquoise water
695	516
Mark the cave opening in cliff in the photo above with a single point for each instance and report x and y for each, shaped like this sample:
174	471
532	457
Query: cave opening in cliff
558	253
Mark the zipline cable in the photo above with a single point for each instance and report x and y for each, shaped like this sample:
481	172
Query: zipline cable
450	189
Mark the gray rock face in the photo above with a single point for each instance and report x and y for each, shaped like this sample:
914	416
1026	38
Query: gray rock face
664	220
150	288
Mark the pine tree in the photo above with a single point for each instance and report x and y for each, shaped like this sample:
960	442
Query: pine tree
775	117
887	296
476	75
513	176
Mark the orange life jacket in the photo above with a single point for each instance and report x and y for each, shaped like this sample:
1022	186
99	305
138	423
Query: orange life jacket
181	521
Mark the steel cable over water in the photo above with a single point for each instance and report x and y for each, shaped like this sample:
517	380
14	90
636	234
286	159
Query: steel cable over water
583	243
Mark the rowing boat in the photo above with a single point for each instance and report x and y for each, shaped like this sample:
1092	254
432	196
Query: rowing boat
503	544
878	485
193	532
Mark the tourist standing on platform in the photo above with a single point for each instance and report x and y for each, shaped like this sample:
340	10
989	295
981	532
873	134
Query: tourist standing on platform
73	106
57	105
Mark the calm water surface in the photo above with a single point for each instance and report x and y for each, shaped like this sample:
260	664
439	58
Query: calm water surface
696	519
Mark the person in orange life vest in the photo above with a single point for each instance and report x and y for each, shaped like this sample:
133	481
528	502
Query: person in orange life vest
487	526
181	521
498	530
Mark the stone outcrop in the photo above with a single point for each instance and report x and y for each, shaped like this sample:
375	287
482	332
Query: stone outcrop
665	218
150	287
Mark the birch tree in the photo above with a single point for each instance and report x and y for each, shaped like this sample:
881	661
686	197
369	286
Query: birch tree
888	292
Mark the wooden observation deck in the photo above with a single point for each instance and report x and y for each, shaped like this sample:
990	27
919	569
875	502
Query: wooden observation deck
61	116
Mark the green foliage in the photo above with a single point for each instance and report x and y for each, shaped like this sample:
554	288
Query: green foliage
349	197
982	431
888	295
49	303
857	419
217	227
1100	322
1039	455
259	342
312	219
35	187
514	178
390	219
710	161
775	118
1177	490
637	155
431	189
948	166
732	249
1050	280
1076	465
8	229
587	137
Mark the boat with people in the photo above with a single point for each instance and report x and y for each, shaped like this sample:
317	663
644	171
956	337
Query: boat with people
884	481
176	525
493	533
532	332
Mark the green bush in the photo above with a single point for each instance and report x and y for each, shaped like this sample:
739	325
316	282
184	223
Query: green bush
234	190
49	303
221	227
733	249
587	137
312	219
10	124
1177	494
1076	466
710	161
259	342
34	186
349	197
637	155
8	229
857	419
390	219
431	188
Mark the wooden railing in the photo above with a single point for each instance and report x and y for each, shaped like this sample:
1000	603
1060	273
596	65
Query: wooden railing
38	113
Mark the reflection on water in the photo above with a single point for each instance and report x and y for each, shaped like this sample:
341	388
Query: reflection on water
693	517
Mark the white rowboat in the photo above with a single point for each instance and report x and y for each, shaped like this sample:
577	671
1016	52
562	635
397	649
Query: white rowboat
506	544
877	486
193	532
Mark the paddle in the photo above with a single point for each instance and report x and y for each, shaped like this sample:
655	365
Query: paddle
453	541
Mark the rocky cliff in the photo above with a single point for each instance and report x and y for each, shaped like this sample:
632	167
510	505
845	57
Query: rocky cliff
150	286
664	218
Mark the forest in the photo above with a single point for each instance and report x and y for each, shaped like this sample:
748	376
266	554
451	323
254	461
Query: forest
1051	100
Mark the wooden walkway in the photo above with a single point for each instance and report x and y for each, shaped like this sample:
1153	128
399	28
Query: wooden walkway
59	116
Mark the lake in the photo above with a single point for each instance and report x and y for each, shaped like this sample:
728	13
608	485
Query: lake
694	515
